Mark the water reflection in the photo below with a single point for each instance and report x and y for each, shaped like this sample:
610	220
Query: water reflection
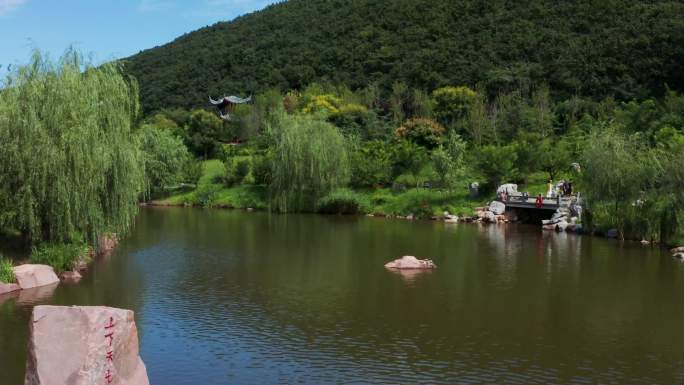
231	297
30	297
8	296
411	275
37	295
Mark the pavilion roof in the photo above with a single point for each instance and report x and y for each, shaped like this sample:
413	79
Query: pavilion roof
230	100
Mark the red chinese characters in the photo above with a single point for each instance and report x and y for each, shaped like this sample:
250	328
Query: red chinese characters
109	339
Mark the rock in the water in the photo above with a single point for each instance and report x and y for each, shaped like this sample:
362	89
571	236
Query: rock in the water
497	207
30	276
491	217
612	233
679	256
554	220
71	276
574	228
410	262
677	250
561	226
72	345
106	244
8	288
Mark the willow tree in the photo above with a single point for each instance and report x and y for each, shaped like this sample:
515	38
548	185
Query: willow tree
69	165
620	176
310	160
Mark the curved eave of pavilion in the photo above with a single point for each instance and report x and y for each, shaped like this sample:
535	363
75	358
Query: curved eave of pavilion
230	100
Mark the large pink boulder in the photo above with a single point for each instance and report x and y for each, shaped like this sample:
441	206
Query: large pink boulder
410	262
30	276
84	346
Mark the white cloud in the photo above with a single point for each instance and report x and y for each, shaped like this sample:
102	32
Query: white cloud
154	5
7	6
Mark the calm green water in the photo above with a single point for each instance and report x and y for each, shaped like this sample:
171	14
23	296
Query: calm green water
226	297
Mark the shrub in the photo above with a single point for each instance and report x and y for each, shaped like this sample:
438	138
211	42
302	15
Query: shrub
424	132
419	202
6	272
61	256
206	195
407	157
242	169
261	169
452	103
165	157
497	164
344	201
447	161
205	130
371	164
354	119
192	171
382	196
407	180
323	103
237	170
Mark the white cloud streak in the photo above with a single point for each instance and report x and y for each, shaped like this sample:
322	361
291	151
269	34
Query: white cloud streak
7	6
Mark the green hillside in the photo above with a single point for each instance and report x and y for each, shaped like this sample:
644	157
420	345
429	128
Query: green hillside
622	48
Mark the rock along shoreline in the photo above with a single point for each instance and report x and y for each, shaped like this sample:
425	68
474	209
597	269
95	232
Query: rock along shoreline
31	276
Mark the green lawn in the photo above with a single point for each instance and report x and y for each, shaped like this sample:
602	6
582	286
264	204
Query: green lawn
210	192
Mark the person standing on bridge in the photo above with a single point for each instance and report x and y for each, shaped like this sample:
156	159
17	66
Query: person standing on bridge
539	202
566	188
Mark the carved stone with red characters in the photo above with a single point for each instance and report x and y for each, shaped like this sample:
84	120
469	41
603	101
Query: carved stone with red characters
84	346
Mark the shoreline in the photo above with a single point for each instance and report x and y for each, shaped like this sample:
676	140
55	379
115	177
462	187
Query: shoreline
28	275
464	220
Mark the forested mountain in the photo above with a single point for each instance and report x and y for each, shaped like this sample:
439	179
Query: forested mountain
621	48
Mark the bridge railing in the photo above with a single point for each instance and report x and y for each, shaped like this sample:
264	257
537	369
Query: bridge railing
531	200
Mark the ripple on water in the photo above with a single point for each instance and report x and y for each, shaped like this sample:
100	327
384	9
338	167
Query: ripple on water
225	297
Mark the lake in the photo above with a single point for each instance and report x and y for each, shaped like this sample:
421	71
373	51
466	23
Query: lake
230	297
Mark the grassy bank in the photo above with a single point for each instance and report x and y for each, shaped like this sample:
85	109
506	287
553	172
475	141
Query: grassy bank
6	272
422	203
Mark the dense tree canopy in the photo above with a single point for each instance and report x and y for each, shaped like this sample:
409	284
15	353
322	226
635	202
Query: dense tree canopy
69	165
621	48
165	158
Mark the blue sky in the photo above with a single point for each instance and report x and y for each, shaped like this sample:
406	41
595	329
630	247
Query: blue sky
105	29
